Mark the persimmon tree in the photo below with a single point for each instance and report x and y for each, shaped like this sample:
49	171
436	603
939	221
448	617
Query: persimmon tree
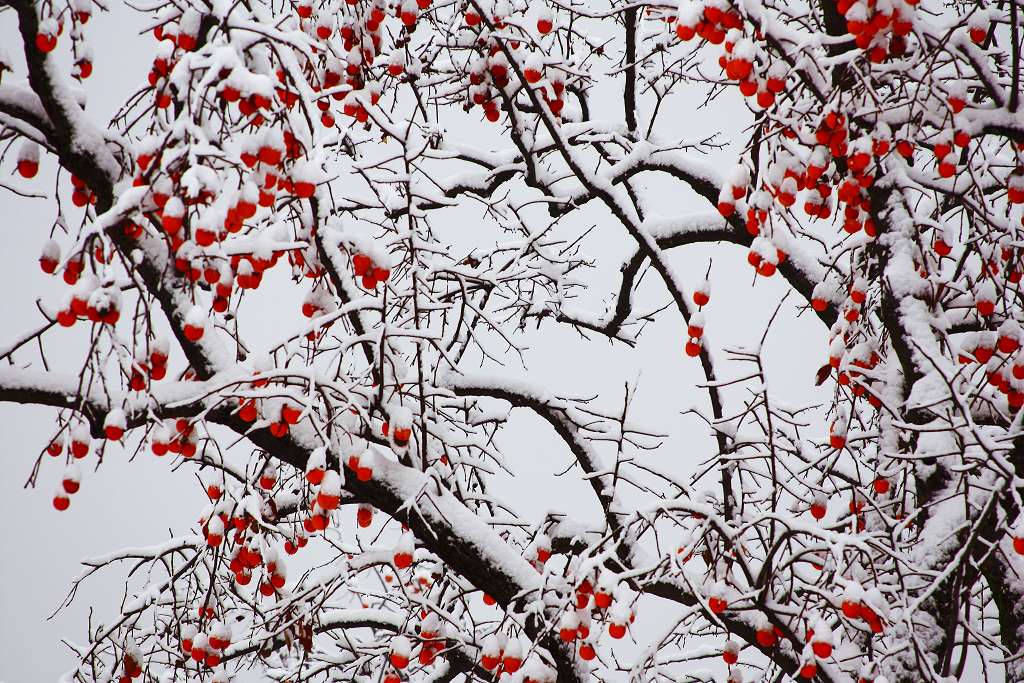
881	176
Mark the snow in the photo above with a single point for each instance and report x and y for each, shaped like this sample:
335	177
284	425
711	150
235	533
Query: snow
448	340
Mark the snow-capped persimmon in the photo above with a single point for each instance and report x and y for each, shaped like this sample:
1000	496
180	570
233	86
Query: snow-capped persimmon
401	651
46	39
268	477
316	467
403	553
512	657
114	424
28	160
329	494
195	324
50	257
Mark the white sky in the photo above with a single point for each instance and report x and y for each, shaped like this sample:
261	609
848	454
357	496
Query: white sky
136	503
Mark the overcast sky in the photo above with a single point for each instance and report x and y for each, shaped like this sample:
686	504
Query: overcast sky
140	502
